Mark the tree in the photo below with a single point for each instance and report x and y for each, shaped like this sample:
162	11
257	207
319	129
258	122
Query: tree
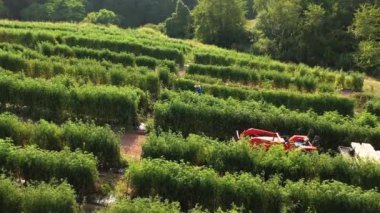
280	23
179	24
190	3
4	12
55	10
103	16
219	22
308	31
366	27
250	11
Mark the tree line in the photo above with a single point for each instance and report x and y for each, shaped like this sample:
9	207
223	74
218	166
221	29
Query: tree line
129	13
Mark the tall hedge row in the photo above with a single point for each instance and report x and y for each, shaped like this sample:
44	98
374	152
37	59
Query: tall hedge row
319	103
123	46
101	141
29	38
240	156
118	105
192	185
83	70
15	198
373	106
246	76
30	163
126	59
187	112
49	49
350	80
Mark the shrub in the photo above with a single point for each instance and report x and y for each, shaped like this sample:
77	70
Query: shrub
36	197
31	163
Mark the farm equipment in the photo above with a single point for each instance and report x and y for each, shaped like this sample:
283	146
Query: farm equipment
363	151
258	137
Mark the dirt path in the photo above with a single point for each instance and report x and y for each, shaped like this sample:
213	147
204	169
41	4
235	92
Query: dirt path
182	73
131	145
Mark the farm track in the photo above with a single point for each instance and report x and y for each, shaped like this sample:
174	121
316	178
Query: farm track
131	145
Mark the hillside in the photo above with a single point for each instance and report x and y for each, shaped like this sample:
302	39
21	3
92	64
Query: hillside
70	93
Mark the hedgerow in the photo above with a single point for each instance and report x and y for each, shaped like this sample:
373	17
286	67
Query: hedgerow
101	141
55	100
42	197
246	76
136	48
30	163
147	205
350	80
319	103
188	112
239	156
155	205
191	185
84	70
373	106
29	38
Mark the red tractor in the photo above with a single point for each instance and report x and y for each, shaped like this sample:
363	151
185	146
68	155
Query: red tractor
258	137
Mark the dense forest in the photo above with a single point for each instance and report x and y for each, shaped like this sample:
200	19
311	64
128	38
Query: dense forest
341	34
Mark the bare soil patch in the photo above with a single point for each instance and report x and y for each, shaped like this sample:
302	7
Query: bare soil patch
131	145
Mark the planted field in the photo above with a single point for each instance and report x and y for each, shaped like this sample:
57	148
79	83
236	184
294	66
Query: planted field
204	186
236	157
72	93
215	117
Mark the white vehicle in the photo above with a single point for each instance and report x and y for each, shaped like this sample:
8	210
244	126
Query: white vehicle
364	151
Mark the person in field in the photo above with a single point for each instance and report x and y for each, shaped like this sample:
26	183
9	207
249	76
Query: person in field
199	89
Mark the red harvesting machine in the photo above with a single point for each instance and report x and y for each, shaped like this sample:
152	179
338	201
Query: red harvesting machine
258	137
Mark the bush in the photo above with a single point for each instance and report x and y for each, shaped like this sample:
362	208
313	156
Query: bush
373	106
42	197
240	156
103	16
147	205
31	163
192	185
56	101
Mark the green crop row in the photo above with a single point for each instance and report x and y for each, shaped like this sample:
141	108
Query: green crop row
154	205
126	59
146	205
319	103
100	141
15	198
138	49
240	156
188	112
56	100
30	163
242	75
305	82
373	106
83	70
193	185
142	36
29	38
350	80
